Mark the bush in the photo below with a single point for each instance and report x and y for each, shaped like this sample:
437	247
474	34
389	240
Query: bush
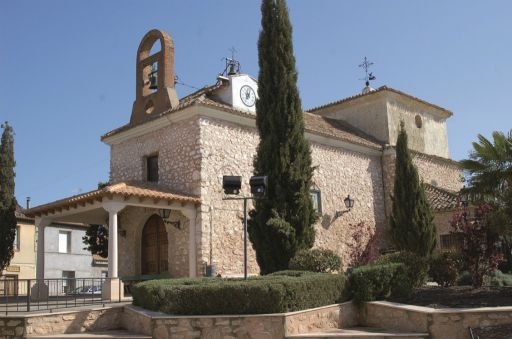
445	268
416	267
498	278
375	282
316	260
465	279
277	293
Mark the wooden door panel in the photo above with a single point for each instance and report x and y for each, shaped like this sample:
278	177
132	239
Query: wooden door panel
154	245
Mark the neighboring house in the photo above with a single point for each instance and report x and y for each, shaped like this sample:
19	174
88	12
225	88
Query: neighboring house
23	263
65	256
173	154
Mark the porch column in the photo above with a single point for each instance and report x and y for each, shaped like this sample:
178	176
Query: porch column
112	288
191	215
40	290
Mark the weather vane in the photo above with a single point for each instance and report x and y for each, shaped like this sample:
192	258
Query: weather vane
368	76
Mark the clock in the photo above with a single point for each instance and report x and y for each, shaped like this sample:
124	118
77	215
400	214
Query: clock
247	95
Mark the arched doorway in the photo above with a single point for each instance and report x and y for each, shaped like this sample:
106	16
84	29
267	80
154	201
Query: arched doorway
154	247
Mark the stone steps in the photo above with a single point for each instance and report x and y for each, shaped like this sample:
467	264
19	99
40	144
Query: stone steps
121	334
360	333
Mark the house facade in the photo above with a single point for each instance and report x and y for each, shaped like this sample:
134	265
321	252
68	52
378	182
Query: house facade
173	154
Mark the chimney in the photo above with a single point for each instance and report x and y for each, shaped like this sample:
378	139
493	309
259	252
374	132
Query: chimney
28	203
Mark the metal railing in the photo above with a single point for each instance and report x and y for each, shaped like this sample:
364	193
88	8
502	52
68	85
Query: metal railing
28	295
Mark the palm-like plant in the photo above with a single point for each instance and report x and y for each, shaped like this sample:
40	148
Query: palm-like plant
490	167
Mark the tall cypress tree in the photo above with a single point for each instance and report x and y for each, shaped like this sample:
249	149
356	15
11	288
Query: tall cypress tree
282	223
412	227
7	199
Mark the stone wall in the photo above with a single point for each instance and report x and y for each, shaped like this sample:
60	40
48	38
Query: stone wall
322	318
338	174
440	323
179	160
443	173
12	328
91	320
132	221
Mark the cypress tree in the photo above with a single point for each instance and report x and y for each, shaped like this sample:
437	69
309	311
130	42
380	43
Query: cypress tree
7	200
412	227
282	223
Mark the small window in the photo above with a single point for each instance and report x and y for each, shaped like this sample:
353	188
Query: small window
17	239
452	241
152	168
64	242
316	199
418	121
104	274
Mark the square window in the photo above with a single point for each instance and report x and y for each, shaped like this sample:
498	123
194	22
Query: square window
152	168
316	199
64	241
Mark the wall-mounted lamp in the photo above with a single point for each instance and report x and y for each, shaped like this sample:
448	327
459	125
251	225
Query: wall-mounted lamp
349	203
165	213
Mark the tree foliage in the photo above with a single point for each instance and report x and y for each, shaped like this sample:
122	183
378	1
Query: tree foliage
7	199
489	169
96	240
96	236
282	223
480	250
412	227
490	166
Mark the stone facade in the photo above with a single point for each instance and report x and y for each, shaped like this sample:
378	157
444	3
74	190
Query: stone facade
196	152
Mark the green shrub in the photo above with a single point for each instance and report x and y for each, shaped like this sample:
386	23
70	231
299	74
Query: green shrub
375	282
316	260
465	279
416	267
445	268
281	292
498	278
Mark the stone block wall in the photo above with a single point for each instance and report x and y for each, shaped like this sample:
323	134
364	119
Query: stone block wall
229	149
179	159
12	328
132	220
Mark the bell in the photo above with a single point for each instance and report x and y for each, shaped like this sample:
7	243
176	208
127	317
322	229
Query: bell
153	78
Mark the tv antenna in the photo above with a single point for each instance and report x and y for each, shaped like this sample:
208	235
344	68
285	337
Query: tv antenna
368	75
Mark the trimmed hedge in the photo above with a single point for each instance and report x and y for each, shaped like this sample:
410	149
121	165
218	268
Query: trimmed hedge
281	292
416	267
316	260
374	282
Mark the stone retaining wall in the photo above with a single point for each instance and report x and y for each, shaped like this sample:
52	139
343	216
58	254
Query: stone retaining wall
12	327
440	323
92	320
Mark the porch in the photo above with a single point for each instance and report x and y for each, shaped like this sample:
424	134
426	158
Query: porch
148	243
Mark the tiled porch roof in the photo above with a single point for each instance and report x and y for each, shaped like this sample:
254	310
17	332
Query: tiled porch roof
122	189
440	199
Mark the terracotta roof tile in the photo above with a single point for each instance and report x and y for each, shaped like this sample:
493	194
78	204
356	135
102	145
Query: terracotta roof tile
126	190
440	199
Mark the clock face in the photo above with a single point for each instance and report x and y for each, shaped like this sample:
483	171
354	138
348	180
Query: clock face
248	96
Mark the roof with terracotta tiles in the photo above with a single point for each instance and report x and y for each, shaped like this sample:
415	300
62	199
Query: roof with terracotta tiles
440	199
313	123
123	189
378	90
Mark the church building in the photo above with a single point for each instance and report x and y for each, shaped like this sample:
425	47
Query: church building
164	203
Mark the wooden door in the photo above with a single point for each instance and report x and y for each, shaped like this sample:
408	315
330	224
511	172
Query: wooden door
154	247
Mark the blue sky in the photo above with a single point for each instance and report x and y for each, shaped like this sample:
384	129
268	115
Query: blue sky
67	68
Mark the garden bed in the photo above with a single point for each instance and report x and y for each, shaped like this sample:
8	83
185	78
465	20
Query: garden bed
459	297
